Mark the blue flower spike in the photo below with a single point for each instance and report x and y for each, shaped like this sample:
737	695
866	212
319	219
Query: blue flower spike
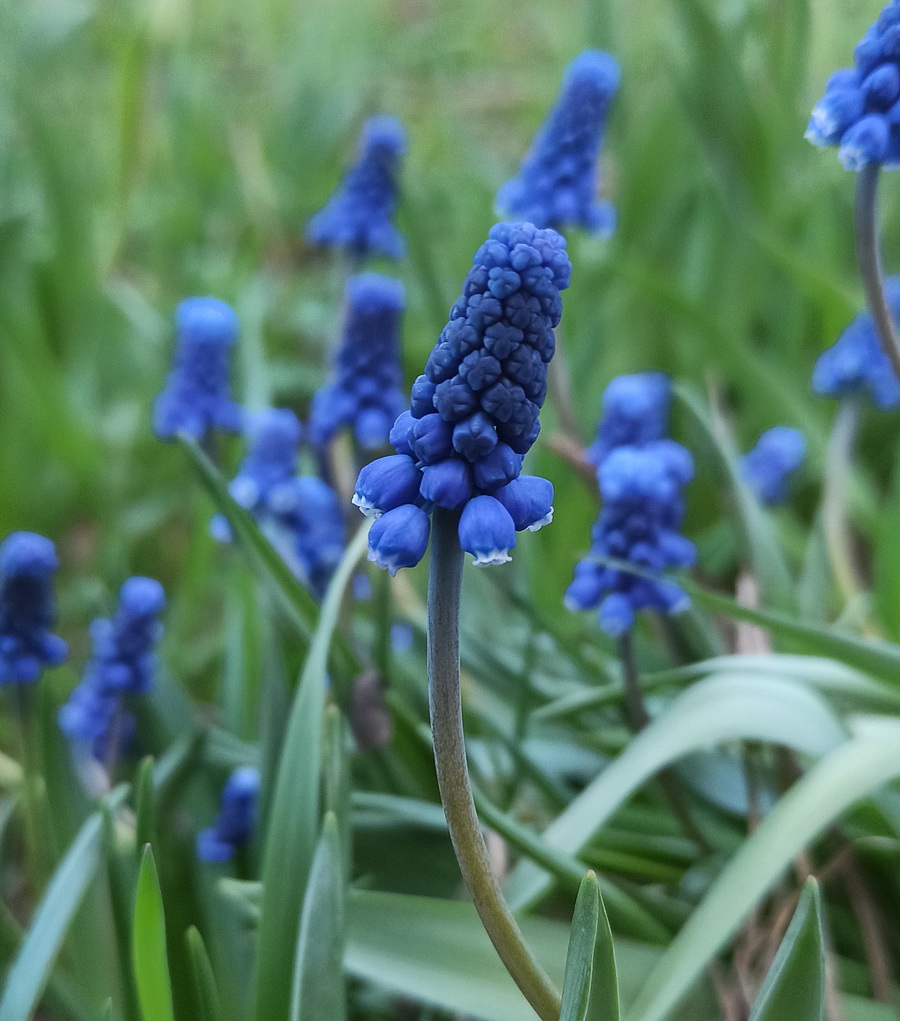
196	399
634	410
767	468
474	411
123	663
364	393
358	218
856	364
237	816
28	564
557	183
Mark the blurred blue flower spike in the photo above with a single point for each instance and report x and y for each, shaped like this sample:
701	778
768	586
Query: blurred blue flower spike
28	563
557	183
358	218
237	815
634	410
474	411
364	392
767	468
196	399
123	663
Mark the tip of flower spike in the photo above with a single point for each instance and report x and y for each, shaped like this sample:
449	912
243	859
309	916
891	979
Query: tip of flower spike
368	293
594	69
206	319
27	554
383	132
142	597
243	781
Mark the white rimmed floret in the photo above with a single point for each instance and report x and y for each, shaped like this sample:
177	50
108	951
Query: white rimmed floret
490	558
367	507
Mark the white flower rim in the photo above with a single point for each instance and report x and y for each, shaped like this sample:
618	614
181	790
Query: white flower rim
366	506
490	558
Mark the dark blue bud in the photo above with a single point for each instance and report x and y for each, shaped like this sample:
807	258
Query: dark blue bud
431	439
385	484
495	469
447	484
421	398
455	399
400	431
475	438
486	531
480	370
399	538
502	400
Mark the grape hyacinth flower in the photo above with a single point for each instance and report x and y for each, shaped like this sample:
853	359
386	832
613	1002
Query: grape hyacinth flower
28	563
474	411
634	410
273	437
308	529
557	183
364	392
856	365
123	664
473	416
358	218
237	815
767	468
639	524
197	398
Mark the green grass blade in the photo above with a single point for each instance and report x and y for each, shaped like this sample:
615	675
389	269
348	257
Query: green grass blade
860	766
318	971
149	959
144	824
576	990
794	988
714	711
205	992
604	1001
294	816
31	967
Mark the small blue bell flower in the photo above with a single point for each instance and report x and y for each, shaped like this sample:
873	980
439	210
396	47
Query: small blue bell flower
557	183
767	468
364	392
196	398
28	563
634	411
385	484
237	816
399	538
487	531
358	217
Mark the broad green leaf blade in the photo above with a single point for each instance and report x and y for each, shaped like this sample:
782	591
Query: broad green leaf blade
576	990
31	968
205	993
794	988
318	970
604	1002
149	960
718	709
861	765
294	814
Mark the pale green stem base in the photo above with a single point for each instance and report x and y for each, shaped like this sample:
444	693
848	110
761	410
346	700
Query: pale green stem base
444	588
838	539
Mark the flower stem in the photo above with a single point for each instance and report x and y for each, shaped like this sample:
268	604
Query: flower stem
444	587
638	718
868	254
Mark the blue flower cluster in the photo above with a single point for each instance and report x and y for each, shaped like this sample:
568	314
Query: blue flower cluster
123	663
642	513
767	468
309	529
365	391
237	816
358	217
856	364
557	183
634	410
197	398
28	563
474	411
860	111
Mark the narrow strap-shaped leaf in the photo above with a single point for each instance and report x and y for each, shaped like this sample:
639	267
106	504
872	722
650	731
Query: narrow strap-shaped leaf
294	814
604	1001
205	992
32	965
149	960
794	988
318	990
144	810
576	990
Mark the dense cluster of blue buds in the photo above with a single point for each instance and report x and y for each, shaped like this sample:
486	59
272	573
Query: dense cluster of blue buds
767	468
358	218
474	411
123	663
237	815
28	563
309	529
197	398
557	183
642	513
634	410
365	390
860	111
856	364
